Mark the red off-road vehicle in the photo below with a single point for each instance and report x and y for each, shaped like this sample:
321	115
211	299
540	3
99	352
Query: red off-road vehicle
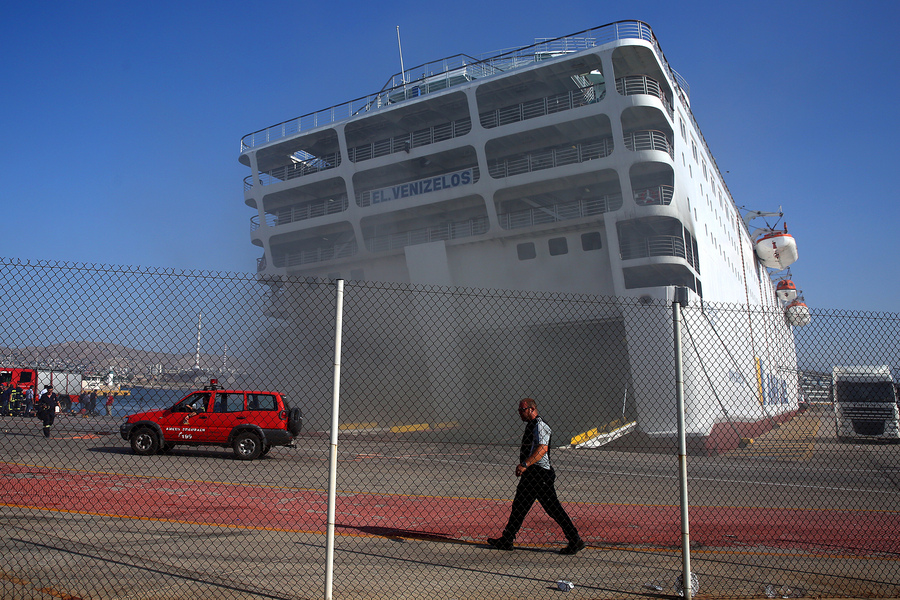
250	422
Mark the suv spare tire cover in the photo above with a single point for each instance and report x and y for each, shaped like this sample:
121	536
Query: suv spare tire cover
295	421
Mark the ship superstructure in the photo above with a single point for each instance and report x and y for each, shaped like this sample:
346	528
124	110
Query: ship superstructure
570	165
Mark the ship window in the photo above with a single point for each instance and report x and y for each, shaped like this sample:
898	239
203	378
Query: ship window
558	246
591	241
526	251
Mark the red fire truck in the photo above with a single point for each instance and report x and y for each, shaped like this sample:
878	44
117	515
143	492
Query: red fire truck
63	382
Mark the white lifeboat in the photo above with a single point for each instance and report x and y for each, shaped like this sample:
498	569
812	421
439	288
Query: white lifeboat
796	313
777	249
786	290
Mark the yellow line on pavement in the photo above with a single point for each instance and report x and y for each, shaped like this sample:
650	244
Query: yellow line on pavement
409	428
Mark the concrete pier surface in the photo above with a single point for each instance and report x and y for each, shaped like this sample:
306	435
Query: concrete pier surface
794	514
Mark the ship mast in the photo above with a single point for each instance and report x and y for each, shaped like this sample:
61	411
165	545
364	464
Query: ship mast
197	356
402	70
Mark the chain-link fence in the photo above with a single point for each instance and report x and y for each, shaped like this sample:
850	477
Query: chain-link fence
783	501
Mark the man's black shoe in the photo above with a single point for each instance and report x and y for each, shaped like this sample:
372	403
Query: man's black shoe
573	547
501	544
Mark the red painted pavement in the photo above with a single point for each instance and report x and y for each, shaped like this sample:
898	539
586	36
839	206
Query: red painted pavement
465	519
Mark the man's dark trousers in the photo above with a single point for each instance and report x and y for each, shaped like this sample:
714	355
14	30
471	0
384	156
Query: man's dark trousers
537	484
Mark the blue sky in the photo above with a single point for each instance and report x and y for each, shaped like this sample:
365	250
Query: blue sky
122	121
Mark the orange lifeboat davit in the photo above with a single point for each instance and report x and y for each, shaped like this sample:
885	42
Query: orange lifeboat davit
777	249
786	290
796	313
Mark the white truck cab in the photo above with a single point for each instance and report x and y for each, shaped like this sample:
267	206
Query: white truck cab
865	403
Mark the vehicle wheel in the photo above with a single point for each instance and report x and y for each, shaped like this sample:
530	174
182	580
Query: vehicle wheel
144	442
266	450
295	421
247	446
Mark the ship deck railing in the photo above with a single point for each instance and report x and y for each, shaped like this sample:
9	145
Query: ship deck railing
378	243
407	141
457	70
633	85
660	195
657	245
540	107
444	232
314	255
271	221
583	96
561	211
649	140
302	211
550	158
302	165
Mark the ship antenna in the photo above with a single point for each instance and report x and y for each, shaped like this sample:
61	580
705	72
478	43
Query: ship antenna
402	70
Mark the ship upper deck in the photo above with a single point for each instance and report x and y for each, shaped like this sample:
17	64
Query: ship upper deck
458	70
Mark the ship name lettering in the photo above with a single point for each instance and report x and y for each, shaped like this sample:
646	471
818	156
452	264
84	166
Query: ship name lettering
423	186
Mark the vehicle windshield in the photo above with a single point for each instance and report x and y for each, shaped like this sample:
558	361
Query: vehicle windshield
864	391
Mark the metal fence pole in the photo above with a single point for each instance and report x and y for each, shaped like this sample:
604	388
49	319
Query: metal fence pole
681	297
332	471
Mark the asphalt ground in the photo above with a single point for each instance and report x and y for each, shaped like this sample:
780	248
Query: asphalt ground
83	518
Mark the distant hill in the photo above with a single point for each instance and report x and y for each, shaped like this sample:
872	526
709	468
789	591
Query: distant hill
96	358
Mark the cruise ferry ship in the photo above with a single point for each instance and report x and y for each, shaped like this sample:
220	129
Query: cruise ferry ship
570	165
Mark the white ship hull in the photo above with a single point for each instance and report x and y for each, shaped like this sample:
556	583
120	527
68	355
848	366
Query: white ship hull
573	166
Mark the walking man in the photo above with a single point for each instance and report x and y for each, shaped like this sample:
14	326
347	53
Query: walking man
536	482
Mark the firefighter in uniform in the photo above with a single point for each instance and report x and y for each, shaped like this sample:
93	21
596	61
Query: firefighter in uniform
17	402
47	409
5	394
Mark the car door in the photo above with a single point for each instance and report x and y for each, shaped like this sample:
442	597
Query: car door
227	413
263	410
187	421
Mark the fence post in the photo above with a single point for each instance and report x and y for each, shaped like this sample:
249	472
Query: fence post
332	470
681	298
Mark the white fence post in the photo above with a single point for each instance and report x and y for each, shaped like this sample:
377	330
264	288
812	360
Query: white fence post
681	298
335	422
